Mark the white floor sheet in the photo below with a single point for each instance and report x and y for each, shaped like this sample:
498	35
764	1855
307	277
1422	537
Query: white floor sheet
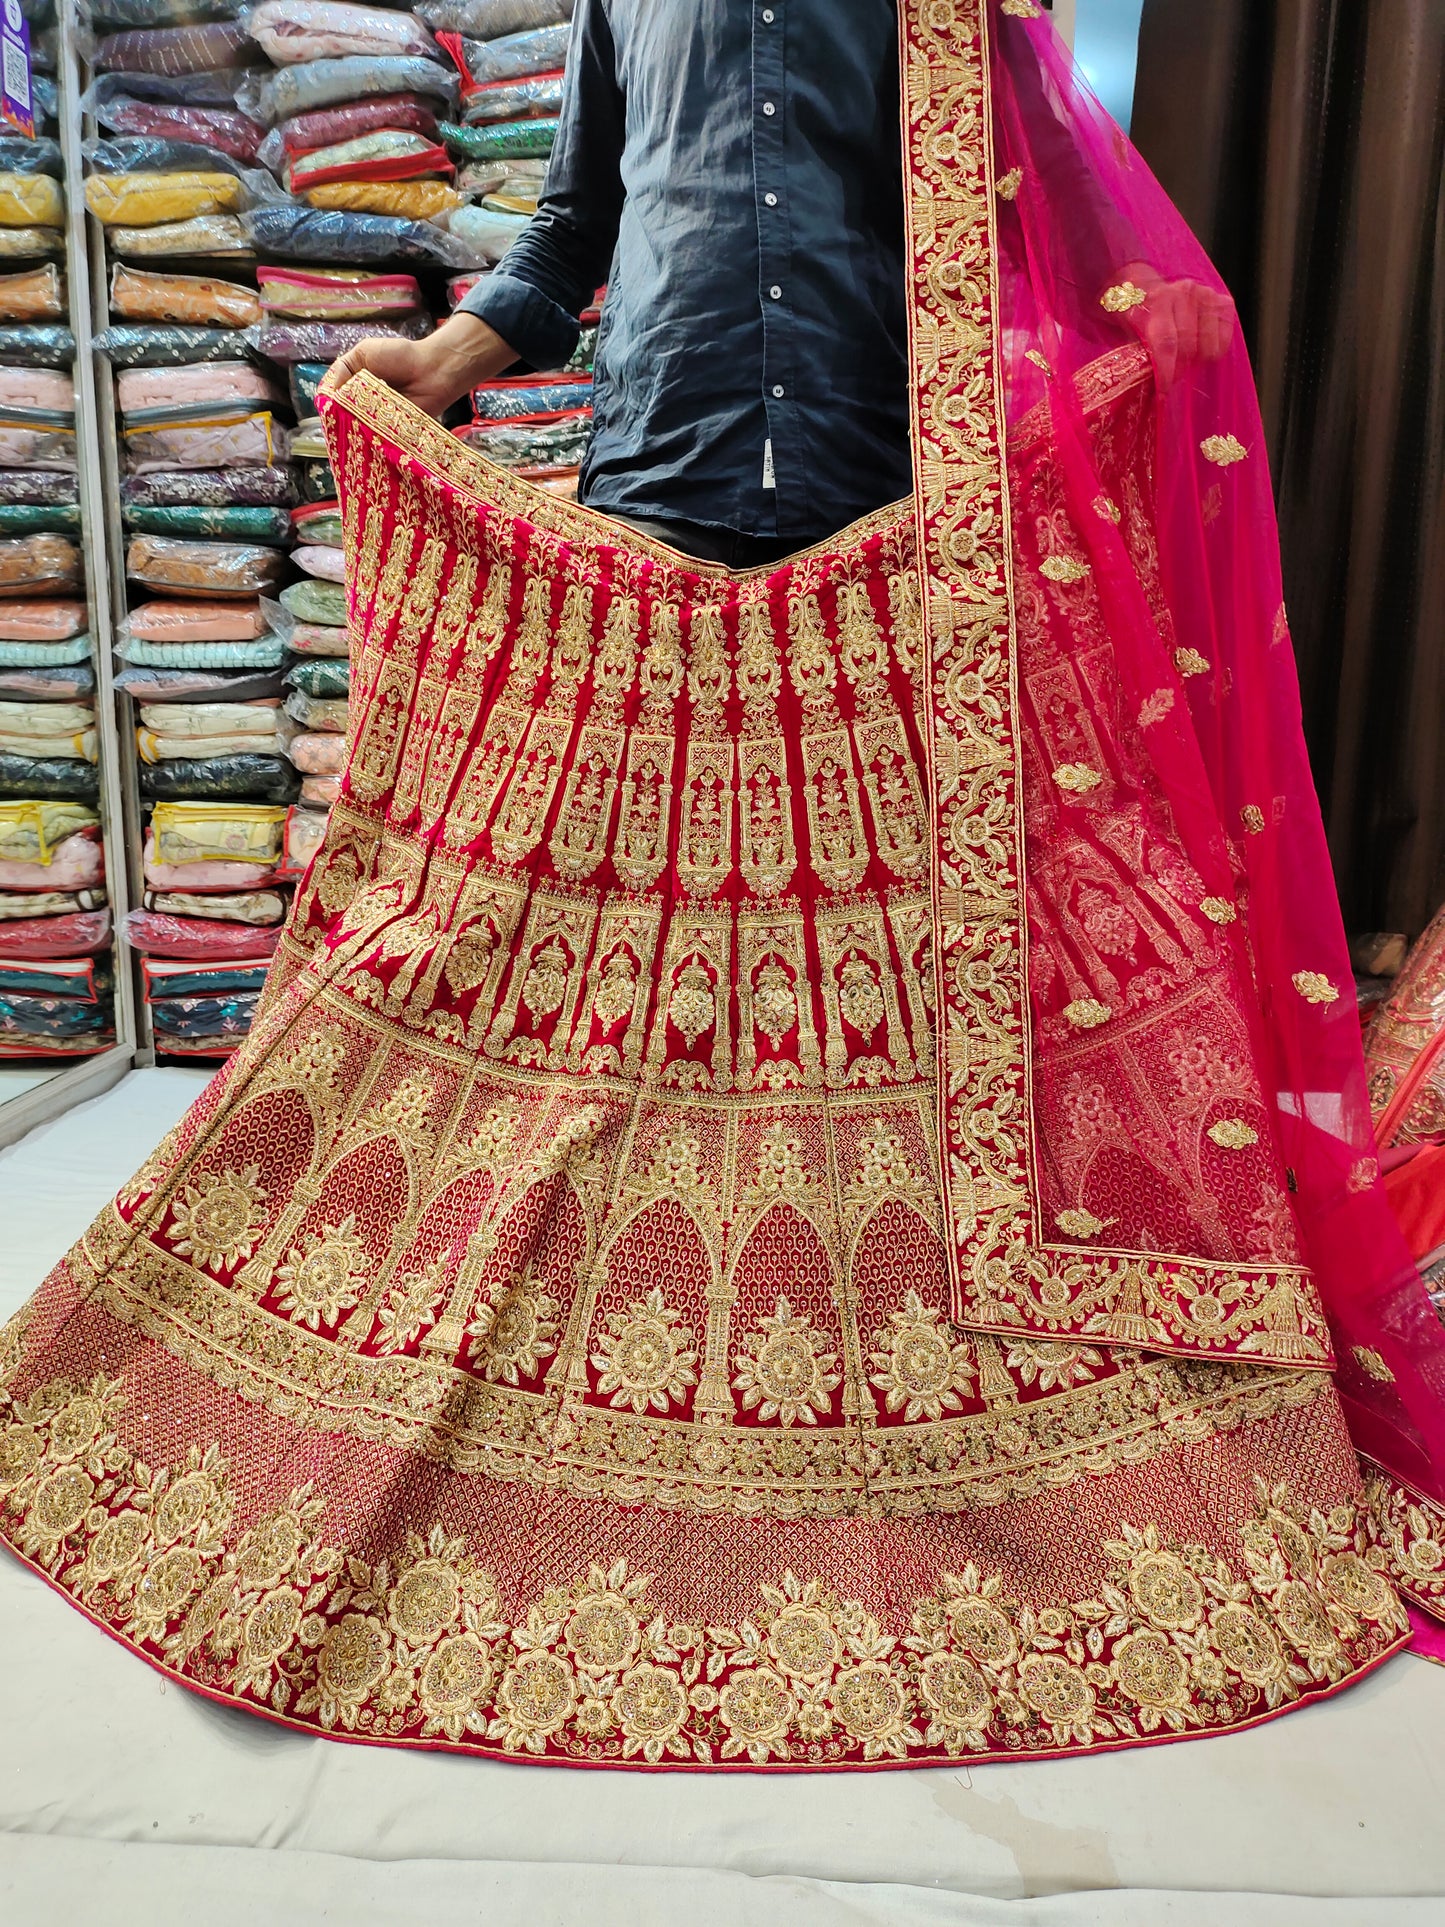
126	1800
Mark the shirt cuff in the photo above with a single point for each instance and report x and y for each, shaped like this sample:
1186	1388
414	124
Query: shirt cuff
544	335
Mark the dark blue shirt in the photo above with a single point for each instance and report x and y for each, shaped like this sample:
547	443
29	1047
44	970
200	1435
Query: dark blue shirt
732	171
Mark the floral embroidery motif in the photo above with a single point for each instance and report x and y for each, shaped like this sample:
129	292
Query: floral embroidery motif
1064	568
1252	817
516	1330
1189	662
1315	987
1233	1134
1219	909
644	1361
1223	450
1122	297
1371	1363
1079	1224
418	1644
784	1370
1022	9
1087	1013
1077	778
1009	184
920	1370
322	1277
218	1219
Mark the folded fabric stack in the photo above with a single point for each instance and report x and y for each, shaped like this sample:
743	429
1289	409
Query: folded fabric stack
211	920
55	926
55	931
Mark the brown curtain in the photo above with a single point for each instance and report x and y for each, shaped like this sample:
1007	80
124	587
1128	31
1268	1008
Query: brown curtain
1303	141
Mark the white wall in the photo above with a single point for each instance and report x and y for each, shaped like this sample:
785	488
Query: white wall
1106	43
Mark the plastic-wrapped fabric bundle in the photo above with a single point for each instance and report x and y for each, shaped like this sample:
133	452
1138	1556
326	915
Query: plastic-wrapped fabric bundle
144	294
320	791
259	908
320	641
219	524
76	933
23	906
515	184
323	602
548	445
241	773
29	518
32	833
37	347
38	562
48	776
142	389
305	379
161	686
288	341
221	128
324	563
526	395
308	446
51	685
502	140
408	200
185	939
336	294
45	390
266	652
47	619
40	449
319	753
73	862
25	243
154	154
62	729
413	113
533	98
327	714
258	486
171	50
173	977
21	156
203	568
205	1019
115	14
305	830
221	718
168	620
52	487
486	232
512	56
30	200
149	200
292	31
36	295
389	154
319	523
255	442
301	233
139	346
203	874
492	19
585	353
206	234
52	1019
239	833
315	481
207	752
81	978
321	679
326	83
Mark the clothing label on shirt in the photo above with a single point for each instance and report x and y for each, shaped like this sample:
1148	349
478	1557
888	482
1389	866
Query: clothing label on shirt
770	479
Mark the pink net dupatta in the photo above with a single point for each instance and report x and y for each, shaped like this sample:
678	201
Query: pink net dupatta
1156	687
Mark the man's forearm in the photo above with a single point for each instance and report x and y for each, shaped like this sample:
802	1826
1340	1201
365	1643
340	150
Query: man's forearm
468	350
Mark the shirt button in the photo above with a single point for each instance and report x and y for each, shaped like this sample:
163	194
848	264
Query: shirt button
776	292
768	16
768	107
771	199
779	391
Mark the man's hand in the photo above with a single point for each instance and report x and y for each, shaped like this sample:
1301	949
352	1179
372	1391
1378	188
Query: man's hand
1181	320
432	373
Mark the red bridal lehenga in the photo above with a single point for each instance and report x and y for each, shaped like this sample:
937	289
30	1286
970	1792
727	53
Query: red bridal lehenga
802	1194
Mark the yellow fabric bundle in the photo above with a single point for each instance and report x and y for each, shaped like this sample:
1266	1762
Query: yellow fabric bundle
31	200
413	200
145	200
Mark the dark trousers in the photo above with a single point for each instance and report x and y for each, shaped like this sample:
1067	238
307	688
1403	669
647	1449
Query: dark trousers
727	546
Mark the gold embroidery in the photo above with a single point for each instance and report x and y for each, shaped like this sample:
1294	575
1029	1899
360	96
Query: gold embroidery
1223	450
1079	1224
1233	1134
1371	1363
1189	662
1087	1013
784	1371
644	1360
1155	708
1219	910
1252	817
1077	778
1315	987
1009	184
1123	297
1064	568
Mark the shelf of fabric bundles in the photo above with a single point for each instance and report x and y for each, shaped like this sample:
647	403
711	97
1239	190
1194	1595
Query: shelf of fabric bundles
265	187
67	1015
